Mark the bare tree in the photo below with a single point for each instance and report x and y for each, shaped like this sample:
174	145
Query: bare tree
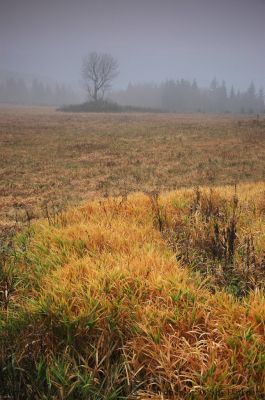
98	71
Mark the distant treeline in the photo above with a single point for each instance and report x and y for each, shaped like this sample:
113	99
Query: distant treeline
173	96
185	96
16	91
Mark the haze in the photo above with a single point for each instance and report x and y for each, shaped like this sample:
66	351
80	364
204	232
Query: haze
152	40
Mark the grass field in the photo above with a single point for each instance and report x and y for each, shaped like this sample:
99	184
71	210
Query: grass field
138	297
144	295
53	158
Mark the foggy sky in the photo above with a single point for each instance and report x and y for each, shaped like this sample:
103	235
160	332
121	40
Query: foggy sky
152	39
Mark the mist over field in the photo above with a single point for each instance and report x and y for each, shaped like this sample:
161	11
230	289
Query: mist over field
153	41
132	200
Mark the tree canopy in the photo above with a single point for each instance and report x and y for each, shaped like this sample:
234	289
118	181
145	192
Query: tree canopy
98	71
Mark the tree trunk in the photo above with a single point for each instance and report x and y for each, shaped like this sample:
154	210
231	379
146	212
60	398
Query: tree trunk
95	94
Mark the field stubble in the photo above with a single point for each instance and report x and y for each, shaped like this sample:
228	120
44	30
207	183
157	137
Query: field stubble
50	159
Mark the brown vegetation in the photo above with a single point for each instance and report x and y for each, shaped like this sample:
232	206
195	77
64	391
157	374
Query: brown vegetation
49	159
140	296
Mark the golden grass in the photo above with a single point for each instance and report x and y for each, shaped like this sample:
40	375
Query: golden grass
98	307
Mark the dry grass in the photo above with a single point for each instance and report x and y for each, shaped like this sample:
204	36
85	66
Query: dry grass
51	158
95	305
142	296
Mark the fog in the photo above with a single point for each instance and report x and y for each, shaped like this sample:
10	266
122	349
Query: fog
152	40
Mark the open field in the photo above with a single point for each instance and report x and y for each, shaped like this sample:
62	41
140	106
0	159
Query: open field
153	295
107	301
57	158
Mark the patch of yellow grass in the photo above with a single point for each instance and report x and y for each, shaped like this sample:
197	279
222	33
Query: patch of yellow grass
105	297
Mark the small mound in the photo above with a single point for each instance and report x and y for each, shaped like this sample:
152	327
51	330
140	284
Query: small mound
106	107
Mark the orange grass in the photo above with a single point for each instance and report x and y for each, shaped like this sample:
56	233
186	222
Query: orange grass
98	307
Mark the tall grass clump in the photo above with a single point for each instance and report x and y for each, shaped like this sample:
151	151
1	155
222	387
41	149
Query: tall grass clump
221	234
143	297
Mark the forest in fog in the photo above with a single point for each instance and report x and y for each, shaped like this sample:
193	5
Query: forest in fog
170	95
185	96
17	91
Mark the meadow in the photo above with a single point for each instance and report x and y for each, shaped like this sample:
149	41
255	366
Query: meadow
54	159
153	286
